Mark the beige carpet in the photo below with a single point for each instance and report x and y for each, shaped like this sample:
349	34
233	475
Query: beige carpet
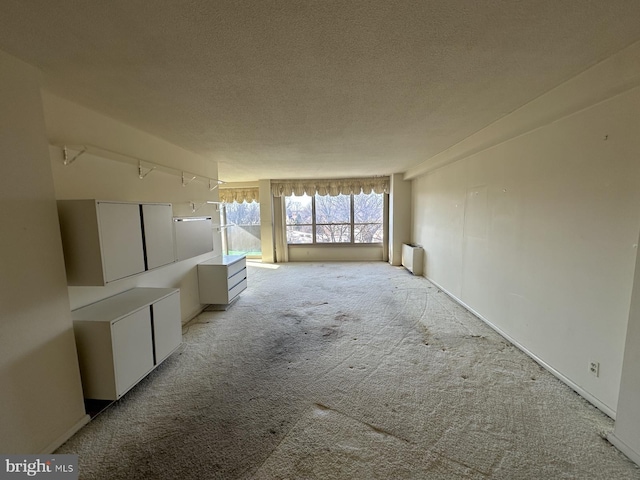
347	371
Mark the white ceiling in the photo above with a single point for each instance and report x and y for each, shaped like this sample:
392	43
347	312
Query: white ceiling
300	89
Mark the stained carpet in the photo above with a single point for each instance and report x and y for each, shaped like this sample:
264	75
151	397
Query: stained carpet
347	371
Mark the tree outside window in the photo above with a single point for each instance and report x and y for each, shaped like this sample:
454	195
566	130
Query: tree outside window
367	211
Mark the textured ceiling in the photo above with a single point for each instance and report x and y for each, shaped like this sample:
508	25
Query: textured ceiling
295	89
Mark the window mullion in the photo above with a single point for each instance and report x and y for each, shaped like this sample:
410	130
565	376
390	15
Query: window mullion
353	238
313	219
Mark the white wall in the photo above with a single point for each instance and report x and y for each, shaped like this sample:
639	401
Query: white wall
399	217
96	176
335	253
40	391
536	230
627	432
267	236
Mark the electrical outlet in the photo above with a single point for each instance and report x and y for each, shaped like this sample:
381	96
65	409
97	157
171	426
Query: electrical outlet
594	368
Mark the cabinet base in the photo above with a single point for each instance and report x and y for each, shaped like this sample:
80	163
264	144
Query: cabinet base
220	307
96	407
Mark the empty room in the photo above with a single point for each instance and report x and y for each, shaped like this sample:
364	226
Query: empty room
320	239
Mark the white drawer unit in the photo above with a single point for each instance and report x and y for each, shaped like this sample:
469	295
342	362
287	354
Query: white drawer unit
122	338
222	279
106	241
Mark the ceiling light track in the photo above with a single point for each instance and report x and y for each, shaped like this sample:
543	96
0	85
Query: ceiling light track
141	172
186	182
69	161
72	152
195	206
214	183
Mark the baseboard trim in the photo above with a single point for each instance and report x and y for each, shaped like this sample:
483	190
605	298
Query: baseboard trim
575	387
624	448
53	446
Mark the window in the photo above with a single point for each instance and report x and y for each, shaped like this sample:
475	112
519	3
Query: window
299	219
242	236
367	212
338	219
333	219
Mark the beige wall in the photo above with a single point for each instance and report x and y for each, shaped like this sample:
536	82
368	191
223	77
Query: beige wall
627	432
267	236
100	176
399	217
537	229
40	392
335	253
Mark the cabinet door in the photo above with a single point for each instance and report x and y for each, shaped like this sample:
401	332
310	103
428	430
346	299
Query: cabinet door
132	349
167	327
121	240
158	235
194	236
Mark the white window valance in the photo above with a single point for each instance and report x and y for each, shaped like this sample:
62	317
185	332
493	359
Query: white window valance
230	195
333	187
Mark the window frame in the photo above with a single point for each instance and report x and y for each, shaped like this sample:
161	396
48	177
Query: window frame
352	224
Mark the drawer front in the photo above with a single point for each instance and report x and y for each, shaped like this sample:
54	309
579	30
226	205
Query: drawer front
235	291
237	278
236	267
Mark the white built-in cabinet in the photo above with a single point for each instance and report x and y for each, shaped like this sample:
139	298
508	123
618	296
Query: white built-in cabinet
124	337
105	241
222	279
194	236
